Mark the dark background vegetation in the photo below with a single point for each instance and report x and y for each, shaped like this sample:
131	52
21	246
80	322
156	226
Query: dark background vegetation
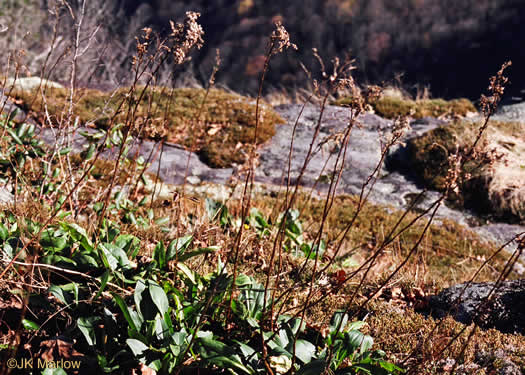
449	46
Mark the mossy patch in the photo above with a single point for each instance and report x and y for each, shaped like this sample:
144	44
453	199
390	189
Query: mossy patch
409	332
448	254
392	107
220	129
497	190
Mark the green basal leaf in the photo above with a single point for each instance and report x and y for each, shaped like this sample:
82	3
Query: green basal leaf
187	272
78	234
246	350
4	233
178	246
88	154
159	255
129	243
103	282
66	150
11	115
30	325
87	327
137	347
355	326
22	128
338	322
59	293
243	280
304	350
168	323
55	259
155	365
116	257
143	201
357	340
15	137
138	294
239	309
125	310
162	221
159	297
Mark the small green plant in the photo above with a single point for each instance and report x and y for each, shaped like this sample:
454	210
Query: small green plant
22	146
345	343
295	242
217	211
9	234
257	221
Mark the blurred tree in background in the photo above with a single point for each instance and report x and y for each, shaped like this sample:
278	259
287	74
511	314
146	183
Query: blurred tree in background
451	46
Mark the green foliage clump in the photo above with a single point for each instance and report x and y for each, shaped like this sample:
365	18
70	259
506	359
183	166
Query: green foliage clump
166	316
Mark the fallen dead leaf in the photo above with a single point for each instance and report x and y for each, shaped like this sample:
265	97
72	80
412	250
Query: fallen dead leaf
58	348
214	129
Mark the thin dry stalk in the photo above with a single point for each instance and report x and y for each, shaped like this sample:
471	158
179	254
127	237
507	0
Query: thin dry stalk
185	37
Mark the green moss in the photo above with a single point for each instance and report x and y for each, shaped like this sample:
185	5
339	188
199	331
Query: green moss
391	107
220	130
345	101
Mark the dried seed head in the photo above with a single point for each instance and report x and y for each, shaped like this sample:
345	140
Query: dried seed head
280	39
400	127
147	32
335	72
186	36
496	88
453	172
346	83
373	93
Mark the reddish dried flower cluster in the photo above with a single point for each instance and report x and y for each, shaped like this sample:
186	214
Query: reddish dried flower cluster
186	36
496	87
281	39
